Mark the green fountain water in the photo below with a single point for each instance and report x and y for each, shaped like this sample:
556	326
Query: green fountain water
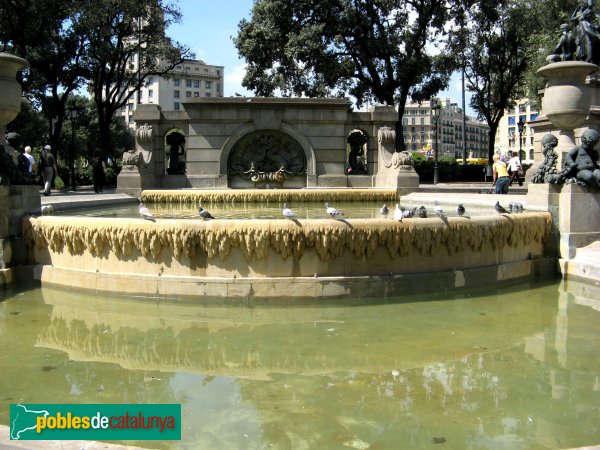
515	368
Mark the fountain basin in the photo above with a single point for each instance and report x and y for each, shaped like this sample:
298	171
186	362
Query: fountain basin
282	258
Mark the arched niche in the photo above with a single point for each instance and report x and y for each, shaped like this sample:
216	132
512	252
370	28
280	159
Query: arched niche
175	151
357	152
266	159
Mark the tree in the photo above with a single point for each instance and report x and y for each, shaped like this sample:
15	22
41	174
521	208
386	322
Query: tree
369	49
38	31
495	43
125	44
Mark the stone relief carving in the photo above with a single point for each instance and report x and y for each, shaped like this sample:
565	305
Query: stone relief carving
265	157
386	138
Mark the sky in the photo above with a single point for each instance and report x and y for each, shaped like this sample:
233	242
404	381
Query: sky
207	27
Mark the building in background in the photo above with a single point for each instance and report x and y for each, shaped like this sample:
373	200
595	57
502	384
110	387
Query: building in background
507	136
192	78
419	131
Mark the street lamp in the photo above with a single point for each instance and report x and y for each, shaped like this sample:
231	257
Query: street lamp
520	126
72	116
435	115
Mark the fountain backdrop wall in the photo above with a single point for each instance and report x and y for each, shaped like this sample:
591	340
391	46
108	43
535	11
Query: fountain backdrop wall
281	258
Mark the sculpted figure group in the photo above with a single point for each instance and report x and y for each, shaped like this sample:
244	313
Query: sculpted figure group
580	40
581	163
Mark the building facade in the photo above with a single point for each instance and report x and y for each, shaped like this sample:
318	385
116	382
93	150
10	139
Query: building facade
419	125
190	79
508	136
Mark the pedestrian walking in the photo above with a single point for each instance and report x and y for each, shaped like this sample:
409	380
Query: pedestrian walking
47	168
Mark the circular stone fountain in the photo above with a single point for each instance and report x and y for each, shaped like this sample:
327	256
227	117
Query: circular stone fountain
320	257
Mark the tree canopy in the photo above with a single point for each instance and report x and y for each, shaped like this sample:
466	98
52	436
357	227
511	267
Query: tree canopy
74	43
381	50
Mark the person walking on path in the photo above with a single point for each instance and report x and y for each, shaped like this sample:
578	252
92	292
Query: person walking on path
501	179
47	167
98	170
30	159
515	169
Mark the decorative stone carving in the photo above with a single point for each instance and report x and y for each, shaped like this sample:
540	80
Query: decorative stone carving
265	157
547	172
390	158
143	134
356	159
581	163
133	160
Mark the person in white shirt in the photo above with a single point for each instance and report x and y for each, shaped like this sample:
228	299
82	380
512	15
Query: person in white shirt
515	168
29	156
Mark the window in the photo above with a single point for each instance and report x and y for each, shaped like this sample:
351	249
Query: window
422	120
218	72
404	121
511	120
413	121
208	85
188	83
176	94
176	81
188	94
150	80
176	106
196	83
207	94
196	94
150	93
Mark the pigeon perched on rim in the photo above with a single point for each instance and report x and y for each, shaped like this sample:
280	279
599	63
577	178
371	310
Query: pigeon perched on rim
422	212
204	213
398	212
287	212
384	211
410	213
438	210
332	211
500	209
460	210
145	212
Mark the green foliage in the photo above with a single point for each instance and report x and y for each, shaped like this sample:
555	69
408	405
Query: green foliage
377	49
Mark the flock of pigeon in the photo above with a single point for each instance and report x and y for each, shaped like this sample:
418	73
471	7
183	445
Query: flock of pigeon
399	214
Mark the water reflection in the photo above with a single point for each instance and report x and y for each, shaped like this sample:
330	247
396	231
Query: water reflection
510	369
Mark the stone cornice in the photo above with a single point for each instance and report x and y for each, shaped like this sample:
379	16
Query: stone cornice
342	104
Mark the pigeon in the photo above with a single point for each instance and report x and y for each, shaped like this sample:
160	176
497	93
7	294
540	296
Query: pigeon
145	212
287	212
500	209
460	210
422	212
332	211
409	214
204	213
438	210
384	211
398	212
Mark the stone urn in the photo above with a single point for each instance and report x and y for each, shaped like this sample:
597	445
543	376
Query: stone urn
567	97
10	100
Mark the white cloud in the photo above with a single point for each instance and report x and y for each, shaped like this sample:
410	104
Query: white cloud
233	81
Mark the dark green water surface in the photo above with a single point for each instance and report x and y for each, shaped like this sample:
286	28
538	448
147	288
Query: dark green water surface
517	368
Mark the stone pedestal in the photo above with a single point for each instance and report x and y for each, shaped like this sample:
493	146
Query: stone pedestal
17	202
579	219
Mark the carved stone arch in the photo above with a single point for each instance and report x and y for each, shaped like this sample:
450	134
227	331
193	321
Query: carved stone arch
266	159
270	178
